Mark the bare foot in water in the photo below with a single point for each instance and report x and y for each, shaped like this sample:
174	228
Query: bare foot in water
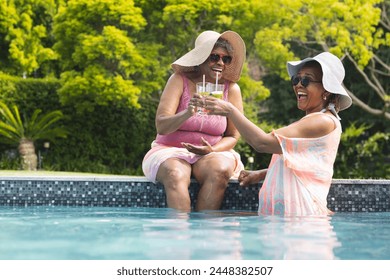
251	177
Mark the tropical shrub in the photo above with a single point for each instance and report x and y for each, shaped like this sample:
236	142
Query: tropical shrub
23	133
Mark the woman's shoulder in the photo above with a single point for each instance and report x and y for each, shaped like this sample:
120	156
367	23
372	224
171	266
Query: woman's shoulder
319	123
322	117
233	87
176	76
176	80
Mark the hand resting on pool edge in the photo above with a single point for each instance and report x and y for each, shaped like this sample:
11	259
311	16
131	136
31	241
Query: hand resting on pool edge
251	177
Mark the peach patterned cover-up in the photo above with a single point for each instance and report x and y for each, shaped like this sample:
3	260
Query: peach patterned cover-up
299	179
192	130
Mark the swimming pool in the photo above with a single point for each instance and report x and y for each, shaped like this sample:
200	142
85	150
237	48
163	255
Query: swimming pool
122	233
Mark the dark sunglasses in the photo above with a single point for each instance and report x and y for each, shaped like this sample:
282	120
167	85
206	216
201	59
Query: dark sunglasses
226	59
305	81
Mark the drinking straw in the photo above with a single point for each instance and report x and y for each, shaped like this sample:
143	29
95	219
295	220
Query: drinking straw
216	82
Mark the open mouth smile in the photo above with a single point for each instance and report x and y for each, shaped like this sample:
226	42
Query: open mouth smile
301	95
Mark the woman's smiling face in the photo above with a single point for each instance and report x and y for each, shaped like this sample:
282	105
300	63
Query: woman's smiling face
211	69
309	98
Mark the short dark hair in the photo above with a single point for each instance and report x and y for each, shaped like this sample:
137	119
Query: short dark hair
312	63
222	43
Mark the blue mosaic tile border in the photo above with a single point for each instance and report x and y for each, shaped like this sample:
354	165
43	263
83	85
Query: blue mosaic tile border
344	195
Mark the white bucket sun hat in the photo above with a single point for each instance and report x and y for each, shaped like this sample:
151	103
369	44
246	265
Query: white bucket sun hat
333	74
204	44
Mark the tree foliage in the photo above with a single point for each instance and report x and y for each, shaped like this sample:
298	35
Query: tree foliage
26	25
363	156
101	59
349	29
117	54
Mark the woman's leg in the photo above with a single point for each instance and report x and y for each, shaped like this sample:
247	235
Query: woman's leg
175	175
212	173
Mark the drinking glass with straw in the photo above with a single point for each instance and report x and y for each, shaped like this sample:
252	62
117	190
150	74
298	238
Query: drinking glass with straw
203	90
218	91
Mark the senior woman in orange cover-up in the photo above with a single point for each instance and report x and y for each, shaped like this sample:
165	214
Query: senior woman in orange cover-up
299	175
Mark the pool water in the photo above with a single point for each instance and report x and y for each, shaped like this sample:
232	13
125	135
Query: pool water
107	233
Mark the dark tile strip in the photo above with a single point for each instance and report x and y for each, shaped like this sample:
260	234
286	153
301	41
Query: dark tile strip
344	195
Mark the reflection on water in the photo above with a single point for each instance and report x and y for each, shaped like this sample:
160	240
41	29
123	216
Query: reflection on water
295	238
193	236
241	235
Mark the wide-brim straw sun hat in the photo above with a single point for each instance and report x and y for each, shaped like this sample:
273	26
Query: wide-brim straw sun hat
204	44
333	74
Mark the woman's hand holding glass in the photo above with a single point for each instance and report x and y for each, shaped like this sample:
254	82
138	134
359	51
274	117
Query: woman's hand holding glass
217	106
205	91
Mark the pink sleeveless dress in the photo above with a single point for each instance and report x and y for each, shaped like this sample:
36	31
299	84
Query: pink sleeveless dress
299	179
167	146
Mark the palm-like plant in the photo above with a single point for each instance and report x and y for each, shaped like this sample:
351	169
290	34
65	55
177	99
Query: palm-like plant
24	133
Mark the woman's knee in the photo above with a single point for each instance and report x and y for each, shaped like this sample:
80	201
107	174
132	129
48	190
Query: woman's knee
216	172
223	172
178	176
173	173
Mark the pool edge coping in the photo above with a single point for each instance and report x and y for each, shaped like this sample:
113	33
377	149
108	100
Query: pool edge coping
121	178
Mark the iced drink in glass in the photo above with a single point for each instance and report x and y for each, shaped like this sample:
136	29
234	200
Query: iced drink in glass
217	91
203	89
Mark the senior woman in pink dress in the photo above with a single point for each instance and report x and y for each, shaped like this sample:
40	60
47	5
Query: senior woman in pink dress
189	144
299	175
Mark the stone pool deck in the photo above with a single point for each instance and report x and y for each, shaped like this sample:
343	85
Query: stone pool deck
130	191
